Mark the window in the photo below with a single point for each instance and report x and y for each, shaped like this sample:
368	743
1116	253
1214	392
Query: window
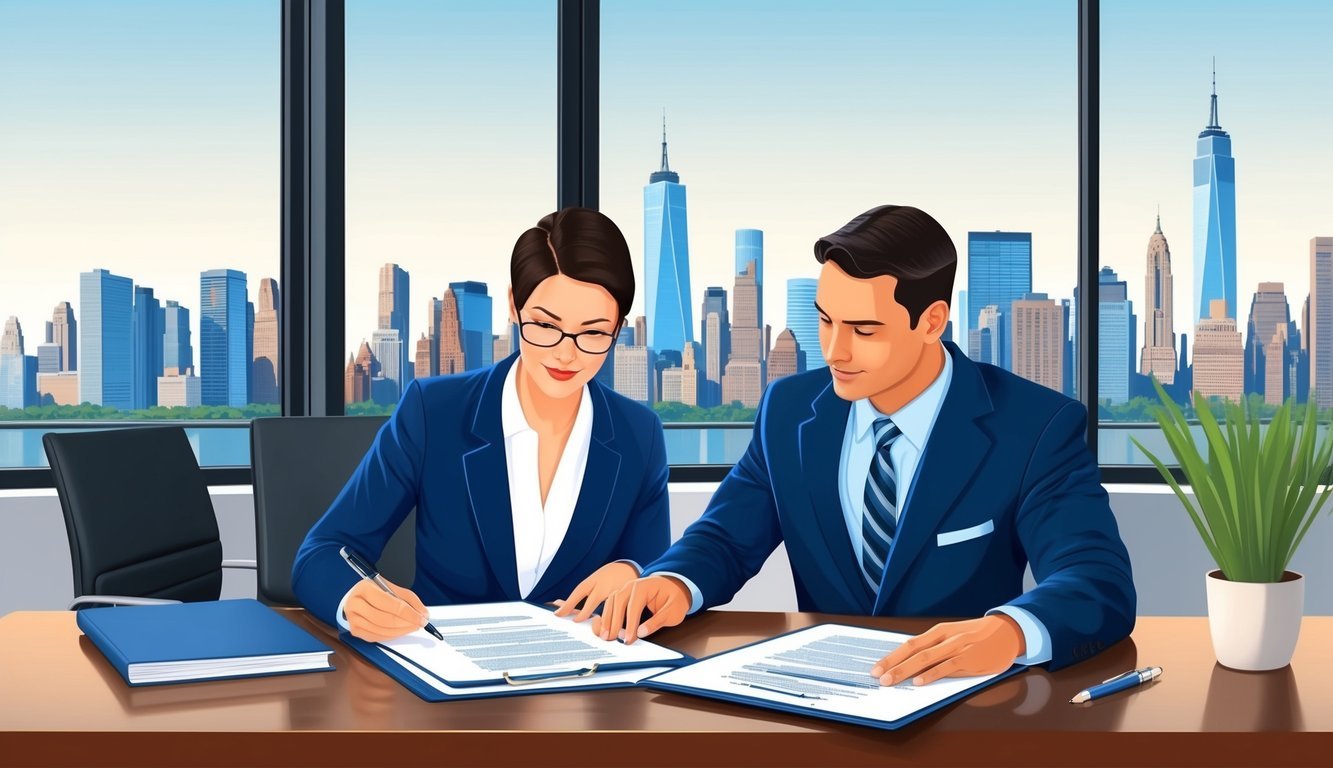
139	218
734	135
451	155
1215	224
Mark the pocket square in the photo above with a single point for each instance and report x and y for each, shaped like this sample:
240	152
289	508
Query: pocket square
963	534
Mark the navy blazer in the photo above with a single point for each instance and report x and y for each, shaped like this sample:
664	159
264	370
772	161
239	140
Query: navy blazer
443	452
1006	479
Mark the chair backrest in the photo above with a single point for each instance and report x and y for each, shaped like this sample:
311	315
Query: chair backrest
300	466
137	513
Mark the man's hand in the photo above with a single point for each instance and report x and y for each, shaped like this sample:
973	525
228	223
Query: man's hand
984	646
377	616
594	590
667	598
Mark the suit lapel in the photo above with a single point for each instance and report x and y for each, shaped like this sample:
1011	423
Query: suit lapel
487	474
595	494
821	438
954	451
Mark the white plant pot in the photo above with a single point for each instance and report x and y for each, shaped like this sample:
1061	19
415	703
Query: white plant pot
1255	626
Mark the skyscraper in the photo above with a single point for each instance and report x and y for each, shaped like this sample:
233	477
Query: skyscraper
388	350
394	304
750	250
361	369
474	317
224	344
803	320
681	384
105	339
434	316
983	341
264	371
634	372
743	382
747	335
425	346
65	334
666	259
1269	315
787	357
1219	358
716	344
1214	219
177	352
1158	357
1037	340
18	372
1319	323
449	336
999	272
146	355
1115	345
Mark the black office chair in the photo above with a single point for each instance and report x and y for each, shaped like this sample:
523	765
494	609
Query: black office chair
138	516
300	464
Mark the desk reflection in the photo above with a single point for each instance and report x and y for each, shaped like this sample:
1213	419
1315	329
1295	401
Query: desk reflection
1253	701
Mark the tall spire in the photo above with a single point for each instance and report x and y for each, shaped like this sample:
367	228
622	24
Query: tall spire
1158	231
1212	115
664	173
667	168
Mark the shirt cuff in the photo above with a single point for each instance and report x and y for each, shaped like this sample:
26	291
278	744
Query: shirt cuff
342	620
1035	635
638	569
696	597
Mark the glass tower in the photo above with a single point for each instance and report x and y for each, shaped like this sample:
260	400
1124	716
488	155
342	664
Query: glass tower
146	326
105	339
803	320
224	362
177	353
666	259
474	324
1214	217
999	272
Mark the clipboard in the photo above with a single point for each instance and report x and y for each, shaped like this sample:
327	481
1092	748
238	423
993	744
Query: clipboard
655	683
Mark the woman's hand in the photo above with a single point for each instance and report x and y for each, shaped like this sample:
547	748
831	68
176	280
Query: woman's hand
375	615
594	590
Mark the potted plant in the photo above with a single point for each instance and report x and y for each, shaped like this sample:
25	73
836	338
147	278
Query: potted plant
1255	496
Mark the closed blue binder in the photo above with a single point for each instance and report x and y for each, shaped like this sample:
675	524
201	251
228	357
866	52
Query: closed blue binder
656	684
191	642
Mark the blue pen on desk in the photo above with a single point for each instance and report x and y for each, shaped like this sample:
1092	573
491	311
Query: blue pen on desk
1131	679
368	572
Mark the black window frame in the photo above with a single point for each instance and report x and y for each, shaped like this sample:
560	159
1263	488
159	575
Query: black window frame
312	268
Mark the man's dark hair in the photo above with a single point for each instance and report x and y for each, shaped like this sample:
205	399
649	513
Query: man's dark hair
577	242
900	241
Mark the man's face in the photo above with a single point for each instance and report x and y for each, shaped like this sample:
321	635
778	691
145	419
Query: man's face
867	336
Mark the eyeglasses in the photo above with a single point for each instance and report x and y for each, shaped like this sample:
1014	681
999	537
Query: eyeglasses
541	334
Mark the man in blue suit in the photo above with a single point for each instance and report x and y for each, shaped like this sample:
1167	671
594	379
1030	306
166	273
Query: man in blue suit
907	480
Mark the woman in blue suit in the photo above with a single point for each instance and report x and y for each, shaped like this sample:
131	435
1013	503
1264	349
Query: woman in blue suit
526	476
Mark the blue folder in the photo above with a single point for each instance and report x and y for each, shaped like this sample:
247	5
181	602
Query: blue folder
198	636
889	725
376	654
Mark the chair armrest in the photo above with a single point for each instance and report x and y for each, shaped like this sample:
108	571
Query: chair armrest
250	565
116	600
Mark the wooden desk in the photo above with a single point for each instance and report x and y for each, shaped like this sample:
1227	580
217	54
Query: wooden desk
63	704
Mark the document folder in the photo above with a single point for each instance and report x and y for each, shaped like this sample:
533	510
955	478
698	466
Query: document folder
225	639
507	649
821	671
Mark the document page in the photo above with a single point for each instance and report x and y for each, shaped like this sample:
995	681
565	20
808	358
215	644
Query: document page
824	668
482	642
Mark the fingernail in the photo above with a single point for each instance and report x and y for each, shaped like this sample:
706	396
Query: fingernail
876	671
643	632
886	680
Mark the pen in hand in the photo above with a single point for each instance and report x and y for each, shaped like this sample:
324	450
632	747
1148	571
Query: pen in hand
368	572
1130	679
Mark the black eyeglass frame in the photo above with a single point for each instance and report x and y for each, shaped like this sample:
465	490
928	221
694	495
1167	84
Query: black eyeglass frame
564	335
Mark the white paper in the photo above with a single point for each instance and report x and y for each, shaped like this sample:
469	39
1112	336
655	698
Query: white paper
482	642
601	678
784	670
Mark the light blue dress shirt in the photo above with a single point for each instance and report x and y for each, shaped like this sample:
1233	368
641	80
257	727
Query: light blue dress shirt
915	420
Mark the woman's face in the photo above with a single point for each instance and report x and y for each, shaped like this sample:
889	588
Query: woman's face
563	304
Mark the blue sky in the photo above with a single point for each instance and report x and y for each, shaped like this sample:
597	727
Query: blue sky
143	136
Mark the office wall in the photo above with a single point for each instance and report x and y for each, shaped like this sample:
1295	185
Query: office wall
1169	560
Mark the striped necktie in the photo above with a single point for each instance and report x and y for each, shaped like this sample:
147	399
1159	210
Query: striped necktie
879	521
